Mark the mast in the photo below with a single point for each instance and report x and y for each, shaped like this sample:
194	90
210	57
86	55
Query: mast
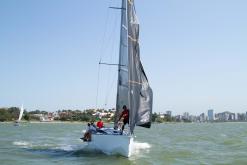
123	76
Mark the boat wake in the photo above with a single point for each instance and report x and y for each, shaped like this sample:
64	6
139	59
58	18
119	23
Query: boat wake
22	144
140	147
56	149
72	150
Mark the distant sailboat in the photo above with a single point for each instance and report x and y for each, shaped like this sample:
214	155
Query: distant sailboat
133	89
17	122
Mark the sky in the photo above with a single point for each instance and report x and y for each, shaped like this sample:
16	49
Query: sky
194	53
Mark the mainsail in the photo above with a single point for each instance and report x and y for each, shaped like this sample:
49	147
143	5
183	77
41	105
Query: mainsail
137	94
123	74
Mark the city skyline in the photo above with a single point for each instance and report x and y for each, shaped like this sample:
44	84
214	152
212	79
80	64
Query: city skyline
193	52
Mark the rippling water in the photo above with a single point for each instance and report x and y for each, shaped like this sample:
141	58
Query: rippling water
59	143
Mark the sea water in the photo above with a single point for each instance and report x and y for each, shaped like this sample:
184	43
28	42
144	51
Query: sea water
175	144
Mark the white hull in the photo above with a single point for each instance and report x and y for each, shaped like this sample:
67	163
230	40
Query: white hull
112	144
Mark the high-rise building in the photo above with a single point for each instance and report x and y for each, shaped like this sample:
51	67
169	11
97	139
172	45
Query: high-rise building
210	114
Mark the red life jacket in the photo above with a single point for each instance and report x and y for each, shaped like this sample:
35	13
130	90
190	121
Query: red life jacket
100	124
125	114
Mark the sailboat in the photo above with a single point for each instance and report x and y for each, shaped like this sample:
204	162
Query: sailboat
20	116
133	89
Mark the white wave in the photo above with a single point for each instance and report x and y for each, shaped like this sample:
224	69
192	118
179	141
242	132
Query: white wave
139	147
67	147
223	135
25	144
22	143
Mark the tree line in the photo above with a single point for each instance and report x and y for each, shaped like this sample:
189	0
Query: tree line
12	114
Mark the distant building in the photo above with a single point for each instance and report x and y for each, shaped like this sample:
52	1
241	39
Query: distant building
193	118
186	115
226	116
169	113
178	118
161	115
210	114
202	117
241	116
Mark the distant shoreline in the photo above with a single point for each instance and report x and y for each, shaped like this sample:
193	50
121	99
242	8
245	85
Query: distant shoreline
55	122
84	122
45	122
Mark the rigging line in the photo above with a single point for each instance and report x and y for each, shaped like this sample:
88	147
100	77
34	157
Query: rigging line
112	47
111	39
105	46
108	38
111	56
110	88
109	47
104	34
100	56
97	92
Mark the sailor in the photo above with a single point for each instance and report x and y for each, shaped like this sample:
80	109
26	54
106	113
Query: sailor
125	116
92	128
88	134
100	124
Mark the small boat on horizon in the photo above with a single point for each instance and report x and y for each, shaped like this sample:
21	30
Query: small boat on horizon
17	122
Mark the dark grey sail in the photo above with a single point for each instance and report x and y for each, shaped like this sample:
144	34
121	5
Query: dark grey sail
133	89
123	74
140	93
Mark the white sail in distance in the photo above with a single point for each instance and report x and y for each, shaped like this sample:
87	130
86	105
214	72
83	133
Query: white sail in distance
21	113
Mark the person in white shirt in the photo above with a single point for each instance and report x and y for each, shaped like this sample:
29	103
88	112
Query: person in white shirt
89	130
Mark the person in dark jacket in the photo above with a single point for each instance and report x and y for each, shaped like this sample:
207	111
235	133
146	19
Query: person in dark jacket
125	116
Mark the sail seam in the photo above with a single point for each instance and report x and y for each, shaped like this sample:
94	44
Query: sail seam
124	27
124	45
124	70
133	39
122	85
134	82
130	2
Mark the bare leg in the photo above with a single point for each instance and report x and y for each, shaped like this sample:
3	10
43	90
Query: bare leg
123	126
86	136
89	136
